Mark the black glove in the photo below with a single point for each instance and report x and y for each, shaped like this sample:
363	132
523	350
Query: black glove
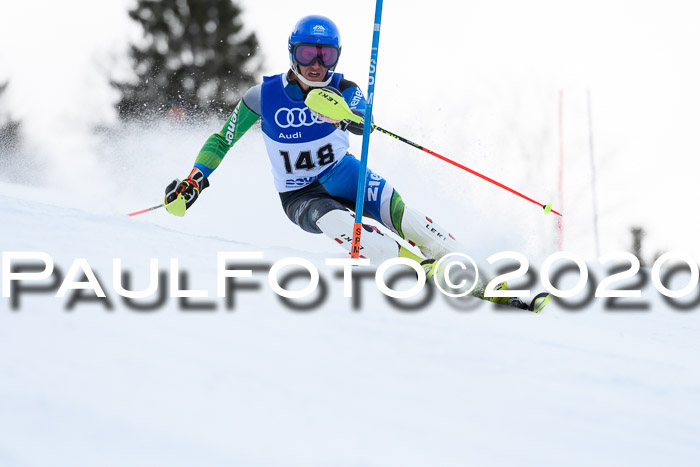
189	188
353	127
344	125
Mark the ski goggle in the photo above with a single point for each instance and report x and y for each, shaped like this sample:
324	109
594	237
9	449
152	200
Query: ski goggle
306	54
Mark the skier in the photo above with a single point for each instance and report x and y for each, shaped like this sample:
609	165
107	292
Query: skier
314	174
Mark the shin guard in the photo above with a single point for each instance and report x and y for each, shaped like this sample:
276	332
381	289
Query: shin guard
431	238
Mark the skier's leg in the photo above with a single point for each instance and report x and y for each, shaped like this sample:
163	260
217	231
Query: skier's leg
315	211
338	225
384	204
433	240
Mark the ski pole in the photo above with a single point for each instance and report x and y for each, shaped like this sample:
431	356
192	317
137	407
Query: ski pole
335	107
547	208
146	210
362	176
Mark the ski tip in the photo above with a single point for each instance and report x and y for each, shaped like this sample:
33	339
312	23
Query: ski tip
547	208
539	302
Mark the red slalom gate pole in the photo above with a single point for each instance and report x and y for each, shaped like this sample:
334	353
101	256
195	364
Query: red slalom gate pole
467	169
561	166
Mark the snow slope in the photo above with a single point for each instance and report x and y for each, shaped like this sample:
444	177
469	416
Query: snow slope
264	385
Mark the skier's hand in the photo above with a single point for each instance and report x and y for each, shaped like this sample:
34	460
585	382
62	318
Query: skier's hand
188	189
353	127
344	125
323	118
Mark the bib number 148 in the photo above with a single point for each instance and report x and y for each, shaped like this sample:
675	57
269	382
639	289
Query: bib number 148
304	160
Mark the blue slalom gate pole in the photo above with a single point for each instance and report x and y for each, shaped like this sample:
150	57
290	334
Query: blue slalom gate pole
362	176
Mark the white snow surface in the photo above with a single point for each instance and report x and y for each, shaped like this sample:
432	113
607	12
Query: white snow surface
264	385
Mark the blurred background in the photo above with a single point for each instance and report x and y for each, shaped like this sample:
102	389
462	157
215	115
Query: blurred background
591	106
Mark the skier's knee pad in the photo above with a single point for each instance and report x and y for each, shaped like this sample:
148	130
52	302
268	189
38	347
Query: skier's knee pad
305	211
391	211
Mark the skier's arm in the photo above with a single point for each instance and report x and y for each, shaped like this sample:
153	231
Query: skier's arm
246	113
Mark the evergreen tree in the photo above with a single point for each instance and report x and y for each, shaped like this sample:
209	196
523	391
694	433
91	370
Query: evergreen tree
193	60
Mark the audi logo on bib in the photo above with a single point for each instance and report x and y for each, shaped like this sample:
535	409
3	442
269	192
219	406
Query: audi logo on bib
295	118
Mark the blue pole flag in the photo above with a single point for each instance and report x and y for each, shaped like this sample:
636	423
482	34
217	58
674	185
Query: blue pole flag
362	178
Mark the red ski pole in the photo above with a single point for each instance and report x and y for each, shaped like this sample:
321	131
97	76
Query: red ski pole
146	210
547	208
